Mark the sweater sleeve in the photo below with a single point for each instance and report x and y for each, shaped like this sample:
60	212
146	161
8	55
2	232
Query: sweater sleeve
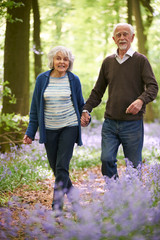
33	117
98	91
151	85
80	99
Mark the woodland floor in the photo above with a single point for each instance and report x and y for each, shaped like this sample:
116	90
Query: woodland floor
86	181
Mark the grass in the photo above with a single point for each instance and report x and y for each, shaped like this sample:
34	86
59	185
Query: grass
85	158
129	209
28	164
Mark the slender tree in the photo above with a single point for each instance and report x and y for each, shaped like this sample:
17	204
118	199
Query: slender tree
36	38
142	25
129	7
141	35
142	28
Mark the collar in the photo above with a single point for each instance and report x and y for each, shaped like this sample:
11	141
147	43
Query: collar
129	53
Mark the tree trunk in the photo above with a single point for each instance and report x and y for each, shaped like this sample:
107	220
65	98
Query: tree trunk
129	4
142	44
16	59
16	71
142	39
36	39
150	115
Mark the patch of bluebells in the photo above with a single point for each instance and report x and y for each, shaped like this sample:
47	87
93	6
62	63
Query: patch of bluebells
129	208
91	135
151	177
29	163
151	150
7	230
126	210
23	165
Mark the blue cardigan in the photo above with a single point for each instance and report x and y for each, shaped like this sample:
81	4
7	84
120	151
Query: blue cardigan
37	105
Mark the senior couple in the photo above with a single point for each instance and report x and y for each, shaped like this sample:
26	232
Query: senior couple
59	111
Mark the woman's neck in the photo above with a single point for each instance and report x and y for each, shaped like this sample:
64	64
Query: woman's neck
57	74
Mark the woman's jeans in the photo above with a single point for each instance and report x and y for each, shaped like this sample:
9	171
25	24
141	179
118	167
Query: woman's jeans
128	133
59	147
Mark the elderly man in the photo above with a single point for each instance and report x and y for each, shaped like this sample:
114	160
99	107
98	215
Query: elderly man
131	85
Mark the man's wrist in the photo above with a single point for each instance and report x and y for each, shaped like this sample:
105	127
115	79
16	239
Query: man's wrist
85	111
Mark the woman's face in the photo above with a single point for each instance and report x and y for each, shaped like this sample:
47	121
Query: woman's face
60	62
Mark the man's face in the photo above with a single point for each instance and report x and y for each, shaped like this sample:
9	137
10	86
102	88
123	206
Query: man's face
123	38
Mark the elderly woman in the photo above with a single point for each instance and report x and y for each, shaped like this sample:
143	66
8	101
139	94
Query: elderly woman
56	109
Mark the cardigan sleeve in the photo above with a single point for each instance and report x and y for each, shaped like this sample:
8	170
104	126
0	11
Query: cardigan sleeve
33	116
80	98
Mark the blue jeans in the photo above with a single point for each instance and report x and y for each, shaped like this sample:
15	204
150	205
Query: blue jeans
59	147
128	133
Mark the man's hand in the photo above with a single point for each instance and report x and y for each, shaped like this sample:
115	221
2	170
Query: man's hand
134	107
85	118
27	140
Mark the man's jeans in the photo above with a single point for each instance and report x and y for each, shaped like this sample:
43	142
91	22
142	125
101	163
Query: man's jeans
128	133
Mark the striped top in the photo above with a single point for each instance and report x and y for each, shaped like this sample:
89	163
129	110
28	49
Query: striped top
59	111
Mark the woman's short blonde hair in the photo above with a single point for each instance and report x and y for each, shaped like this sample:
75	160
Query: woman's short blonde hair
63	50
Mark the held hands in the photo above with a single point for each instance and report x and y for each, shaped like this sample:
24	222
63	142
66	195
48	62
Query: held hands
134	107
27	140
85	118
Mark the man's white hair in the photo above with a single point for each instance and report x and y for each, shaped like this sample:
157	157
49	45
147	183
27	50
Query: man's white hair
124	24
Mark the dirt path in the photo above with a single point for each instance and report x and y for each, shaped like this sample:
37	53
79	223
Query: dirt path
87	182
82	181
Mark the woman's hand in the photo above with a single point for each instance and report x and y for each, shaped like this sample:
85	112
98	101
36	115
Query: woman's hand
85	118
27	140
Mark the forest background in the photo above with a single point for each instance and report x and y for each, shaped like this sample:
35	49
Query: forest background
30	28
126	209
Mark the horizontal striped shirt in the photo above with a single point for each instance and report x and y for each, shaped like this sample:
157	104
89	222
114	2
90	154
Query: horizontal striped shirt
59	111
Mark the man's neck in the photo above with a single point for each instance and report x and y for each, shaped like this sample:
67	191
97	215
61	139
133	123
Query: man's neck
121	53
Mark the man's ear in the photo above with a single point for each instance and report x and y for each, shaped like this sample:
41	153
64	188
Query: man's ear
133	37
